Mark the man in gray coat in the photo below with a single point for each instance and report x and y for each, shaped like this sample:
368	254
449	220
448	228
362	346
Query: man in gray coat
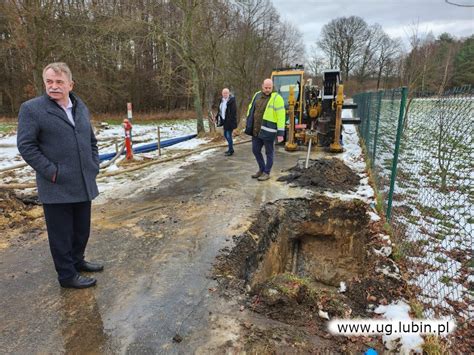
56	139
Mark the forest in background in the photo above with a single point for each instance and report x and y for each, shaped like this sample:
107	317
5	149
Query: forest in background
369	59
160	55
166	55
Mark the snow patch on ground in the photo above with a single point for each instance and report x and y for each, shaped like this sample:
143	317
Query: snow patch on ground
129	184
107	136
402	343
354	158
10	155
352	155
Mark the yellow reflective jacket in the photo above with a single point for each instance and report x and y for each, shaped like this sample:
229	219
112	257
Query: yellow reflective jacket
273	122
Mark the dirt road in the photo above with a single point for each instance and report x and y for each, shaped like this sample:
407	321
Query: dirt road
158	246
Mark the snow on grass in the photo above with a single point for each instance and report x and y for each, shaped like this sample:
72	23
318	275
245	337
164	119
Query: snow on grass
146	133
342	287
401	343
190	144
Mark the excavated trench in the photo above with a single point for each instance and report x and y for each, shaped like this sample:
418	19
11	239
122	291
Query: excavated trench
322	240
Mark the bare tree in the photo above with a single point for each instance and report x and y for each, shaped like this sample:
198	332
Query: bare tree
453	136
418	61
185	39
29	25
291	44
344	38
253	50
367	63
316	63
387	52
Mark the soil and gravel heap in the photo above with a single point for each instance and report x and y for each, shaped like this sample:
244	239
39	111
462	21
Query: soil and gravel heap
16	210
322	174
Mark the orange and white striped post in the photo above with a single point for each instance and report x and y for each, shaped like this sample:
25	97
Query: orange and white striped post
129	117
127	126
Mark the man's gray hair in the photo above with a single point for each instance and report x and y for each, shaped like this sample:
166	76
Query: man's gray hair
59	67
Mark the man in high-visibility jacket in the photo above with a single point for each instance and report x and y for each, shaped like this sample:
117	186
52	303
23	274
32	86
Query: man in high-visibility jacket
265	122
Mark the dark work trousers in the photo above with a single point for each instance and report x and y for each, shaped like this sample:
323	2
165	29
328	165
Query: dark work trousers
257	145
228	137
68	227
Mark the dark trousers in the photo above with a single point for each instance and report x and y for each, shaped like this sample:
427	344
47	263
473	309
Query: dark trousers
68	227
228	137
257	145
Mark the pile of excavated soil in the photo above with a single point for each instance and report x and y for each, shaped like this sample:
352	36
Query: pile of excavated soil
323	174
16	210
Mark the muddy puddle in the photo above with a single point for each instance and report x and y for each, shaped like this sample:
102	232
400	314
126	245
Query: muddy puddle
305	261
322	174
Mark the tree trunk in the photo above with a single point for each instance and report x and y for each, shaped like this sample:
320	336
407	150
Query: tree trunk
445	76
444	184
197	99
379	75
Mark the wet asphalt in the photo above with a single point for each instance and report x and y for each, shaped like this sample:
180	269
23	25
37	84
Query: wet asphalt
156	292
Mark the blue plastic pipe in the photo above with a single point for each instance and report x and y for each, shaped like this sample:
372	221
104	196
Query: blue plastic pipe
150	147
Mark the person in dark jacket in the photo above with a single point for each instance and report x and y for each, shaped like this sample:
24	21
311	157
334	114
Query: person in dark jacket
227	114
56	139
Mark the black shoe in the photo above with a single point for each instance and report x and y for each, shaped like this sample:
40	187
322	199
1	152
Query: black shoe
89	267
78	281
229	153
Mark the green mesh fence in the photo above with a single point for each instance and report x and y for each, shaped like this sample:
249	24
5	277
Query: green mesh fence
425	181
379	114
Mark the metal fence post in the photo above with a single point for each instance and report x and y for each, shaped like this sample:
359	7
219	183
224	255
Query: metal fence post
361	104
367	126
358	101
395	154
379	107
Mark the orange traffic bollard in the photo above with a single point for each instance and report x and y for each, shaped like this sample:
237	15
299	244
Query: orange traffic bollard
127	126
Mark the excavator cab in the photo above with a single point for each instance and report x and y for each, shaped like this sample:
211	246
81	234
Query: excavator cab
289	83
283	80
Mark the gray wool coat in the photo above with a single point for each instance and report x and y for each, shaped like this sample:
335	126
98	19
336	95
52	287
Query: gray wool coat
50	144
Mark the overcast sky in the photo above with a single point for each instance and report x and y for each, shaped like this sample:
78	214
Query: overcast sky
395	16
